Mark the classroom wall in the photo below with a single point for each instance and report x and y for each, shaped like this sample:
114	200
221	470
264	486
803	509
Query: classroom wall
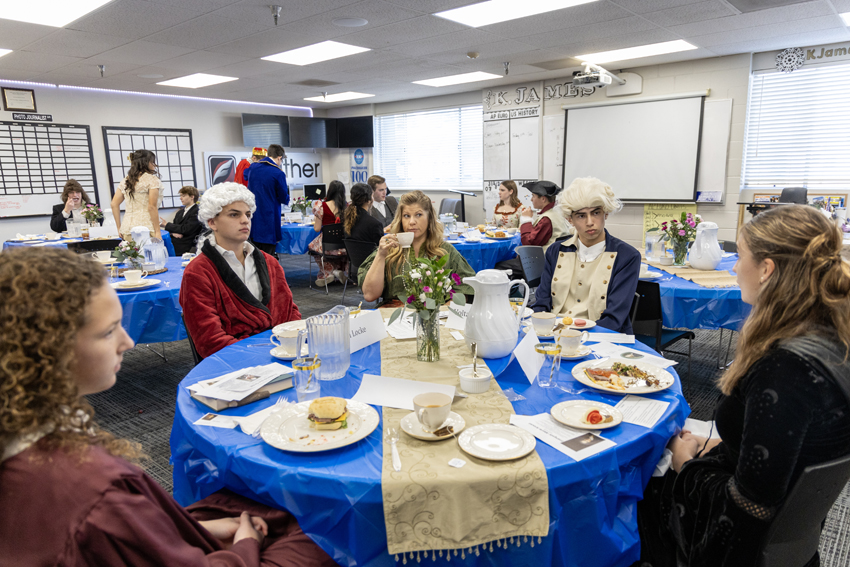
215	125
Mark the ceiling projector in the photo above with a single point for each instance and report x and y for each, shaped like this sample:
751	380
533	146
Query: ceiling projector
592	79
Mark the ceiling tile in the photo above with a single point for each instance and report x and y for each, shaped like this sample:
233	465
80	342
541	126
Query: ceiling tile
35	62
691	13
505	49
206	31
198	61
754	19
559	21
413	29
456	40
656	35
834	35
132	19
772	30
258	11
16	35
144	52
432	6
268	42
622	26
76	43
647	6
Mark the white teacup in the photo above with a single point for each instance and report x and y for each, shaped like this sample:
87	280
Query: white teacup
102	255
511	231
134	277
644	270
288	340
571	340
543	322
432	410
405	239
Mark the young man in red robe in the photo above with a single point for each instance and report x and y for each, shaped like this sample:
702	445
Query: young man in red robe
232	290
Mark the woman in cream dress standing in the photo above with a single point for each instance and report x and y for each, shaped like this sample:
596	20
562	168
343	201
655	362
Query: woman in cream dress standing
143	191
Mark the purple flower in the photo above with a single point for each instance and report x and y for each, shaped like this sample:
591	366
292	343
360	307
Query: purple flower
410	299
681	233
693	224
456	279
426	289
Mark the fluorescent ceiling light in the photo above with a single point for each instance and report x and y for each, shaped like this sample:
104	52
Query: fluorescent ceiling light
197	80
458	79
495	11
5	52
846	17
339	97
56	13
637	52
315	53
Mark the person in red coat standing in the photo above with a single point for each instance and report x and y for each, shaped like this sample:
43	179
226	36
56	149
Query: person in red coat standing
242	169
232	290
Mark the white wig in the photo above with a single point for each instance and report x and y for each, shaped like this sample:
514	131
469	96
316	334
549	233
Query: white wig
588	192
219	196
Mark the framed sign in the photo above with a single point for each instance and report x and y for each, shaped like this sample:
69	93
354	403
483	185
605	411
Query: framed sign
18	99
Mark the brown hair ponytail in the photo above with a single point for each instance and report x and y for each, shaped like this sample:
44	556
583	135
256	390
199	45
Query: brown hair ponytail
360	195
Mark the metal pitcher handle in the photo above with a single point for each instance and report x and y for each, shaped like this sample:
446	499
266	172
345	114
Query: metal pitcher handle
521	310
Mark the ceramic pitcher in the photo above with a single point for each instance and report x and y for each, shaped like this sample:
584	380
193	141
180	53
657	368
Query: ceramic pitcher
491	321
706	252
329	337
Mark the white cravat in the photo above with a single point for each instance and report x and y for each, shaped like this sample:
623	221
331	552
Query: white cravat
246	273
382	207
589	254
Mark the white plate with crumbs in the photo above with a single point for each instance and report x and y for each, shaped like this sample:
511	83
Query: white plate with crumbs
289	429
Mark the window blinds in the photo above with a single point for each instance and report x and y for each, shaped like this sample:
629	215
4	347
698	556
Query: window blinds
798	130
437	149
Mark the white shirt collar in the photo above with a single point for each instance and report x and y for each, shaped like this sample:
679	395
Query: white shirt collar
589	253
381	206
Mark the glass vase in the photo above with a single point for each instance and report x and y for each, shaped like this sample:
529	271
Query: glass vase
428	338
680	252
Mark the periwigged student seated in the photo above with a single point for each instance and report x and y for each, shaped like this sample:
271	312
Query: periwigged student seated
590	275
232	289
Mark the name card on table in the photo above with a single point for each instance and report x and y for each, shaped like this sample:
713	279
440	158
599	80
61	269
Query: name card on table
529	359
102	232
366	328
457	316
292	217
461	225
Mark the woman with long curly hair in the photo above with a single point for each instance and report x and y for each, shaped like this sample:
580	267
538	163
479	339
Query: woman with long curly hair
142	190
785	403
509	209
380	273
68	493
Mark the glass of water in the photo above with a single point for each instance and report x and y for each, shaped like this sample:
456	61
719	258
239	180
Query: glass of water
307	378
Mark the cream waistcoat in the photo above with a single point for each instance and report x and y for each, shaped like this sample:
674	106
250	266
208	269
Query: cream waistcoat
594	278
559	225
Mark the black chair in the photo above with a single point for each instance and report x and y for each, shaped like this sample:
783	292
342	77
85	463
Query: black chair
357	251
195	356
450	206
89	246
331	240
798	195
533	260
648	323
794	534
730	246
633	310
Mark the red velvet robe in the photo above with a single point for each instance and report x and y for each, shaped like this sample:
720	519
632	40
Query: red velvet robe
60	511
218	308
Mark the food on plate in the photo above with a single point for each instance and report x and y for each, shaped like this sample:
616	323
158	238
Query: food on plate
489	233
621	376
567	321
482	227
328	413
579	322
499	234
594	416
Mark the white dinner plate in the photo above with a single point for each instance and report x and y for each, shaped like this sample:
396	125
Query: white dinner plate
497	442
288	354
144	284
289	429
572	412
651	276
411	426
582	351
664	377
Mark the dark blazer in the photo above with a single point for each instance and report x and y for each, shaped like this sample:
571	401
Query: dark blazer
58	221
392	205
187	224
366	228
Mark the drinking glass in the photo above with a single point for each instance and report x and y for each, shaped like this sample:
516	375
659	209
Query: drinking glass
307	378
548	373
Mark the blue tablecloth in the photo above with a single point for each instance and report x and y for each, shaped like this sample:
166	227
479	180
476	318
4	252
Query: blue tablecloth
336	495
154	315
691	306
295	238
166	238
486	254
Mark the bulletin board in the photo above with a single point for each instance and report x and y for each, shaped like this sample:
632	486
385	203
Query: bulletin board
36	160
175	157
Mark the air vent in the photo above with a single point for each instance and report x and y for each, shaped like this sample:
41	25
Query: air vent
746	6
315	83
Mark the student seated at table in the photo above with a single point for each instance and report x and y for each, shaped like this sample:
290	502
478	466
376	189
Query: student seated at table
358	224
785	403
74	198
327	212
380	274
384	205
232	289
541	229
185	227
69	492
590	275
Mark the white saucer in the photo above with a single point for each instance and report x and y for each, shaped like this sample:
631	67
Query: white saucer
287	354
651	276
289	326
145	283
410	425
582	351
497	442
571	413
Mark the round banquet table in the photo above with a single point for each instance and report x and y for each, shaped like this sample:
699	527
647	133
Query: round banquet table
295	238
336	495
154	315
166	239
687	305
487	253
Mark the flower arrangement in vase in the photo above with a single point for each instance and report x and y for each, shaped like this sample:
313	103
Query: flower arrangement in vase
679	232
428	285
129	253
301	205
92	213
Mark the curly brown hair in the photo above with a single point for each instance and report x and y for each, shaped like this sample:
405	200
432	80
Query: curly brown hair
140	162
72	185
39	320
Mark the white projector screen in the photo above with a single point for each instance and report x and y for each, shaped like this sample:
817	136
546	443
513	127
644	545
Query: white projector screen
646	151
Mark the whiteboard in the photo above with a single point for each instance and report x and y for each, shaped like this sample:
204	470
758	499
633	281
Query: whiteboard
646	151
553	149
497	150
525	147
714	149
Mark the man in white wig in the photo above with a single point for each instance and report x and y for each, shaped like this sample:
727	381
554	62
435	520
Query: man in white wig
590	275
232	290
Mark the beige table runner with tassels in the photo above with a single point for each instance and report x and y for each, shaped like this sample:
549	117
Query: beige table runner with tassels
711	278
430	506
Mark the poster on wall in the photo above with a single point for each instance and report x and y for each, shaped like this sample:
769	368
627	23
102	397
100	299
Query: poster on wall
300	168
360	158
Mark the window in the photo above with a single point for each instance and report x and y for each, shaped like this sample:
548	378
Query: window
797	130
436	149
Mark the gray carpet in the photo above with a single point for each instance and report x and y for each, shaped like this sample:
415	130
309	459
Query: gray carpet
141	405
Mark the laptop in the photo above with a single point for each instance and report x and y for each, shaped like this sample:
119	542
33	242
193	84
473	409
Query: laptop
314	191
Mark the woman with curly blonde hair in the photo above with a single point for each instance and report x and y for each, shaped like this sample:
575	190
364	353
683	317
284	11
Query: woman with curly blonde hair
380	274
785	404
67	493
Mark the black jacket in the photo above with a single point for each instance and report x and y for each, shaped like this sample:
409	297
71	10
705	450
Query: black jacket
391	206
58	220
366	228
189	226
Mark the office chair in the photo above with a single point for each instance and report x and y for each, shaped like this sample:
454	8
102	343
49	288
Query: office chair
195	356
357	251
331	240
532	259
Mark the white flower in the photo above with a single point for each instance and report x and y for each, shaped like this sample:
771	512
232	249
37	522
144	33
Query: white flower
423	297
427	272
440	284
415	275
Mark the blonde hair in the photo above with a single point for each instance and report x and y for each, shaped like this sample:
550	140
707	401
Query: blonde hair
511	186
433	235
588	192
808	290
